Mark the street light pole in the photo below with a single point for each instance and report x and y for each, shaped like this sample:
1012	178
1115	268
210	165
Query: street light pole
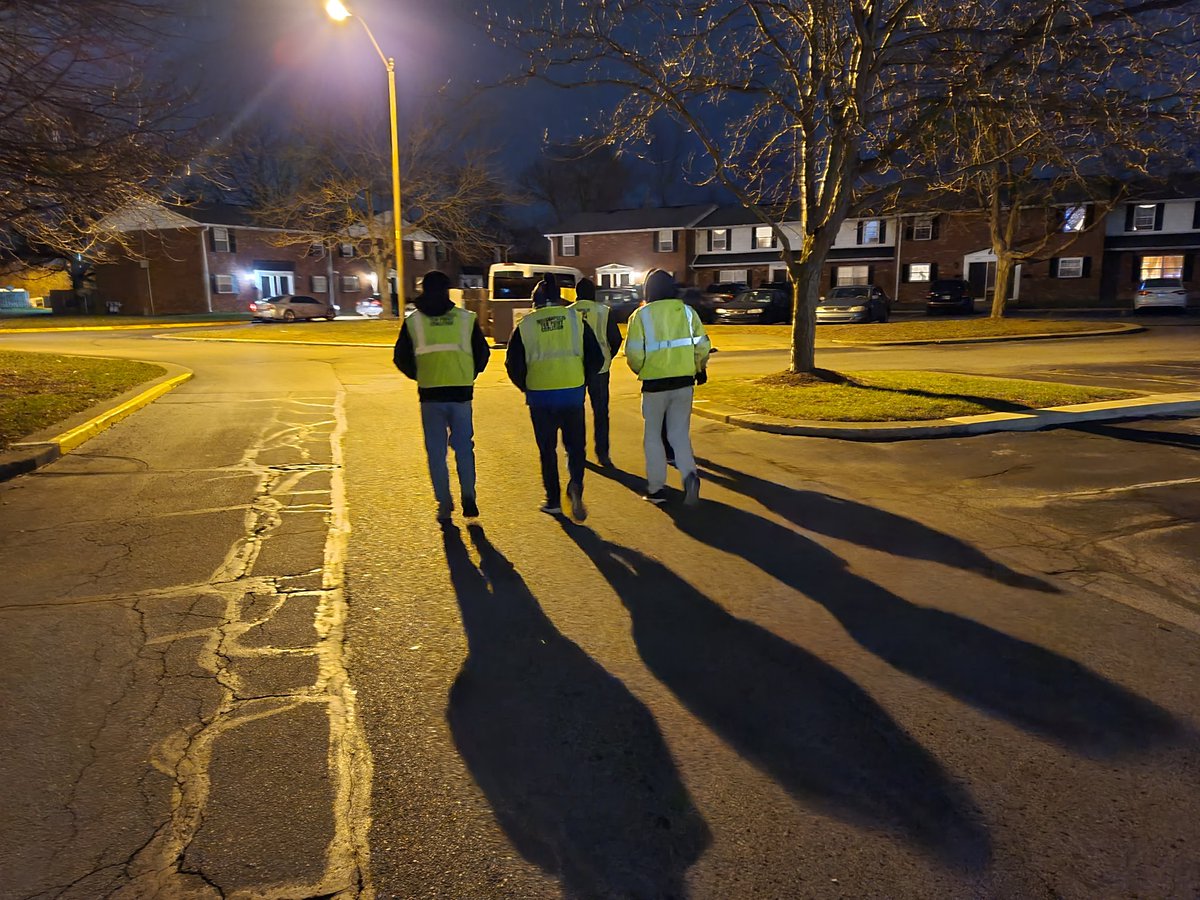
337	11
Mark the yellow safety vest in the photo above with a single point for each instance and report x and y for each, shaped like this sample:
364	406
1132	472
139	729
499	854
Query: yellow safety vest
670	331
596	316
442	346
553	341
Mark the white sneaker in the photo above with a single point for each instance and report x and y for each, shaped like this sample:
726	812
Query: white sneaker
551	509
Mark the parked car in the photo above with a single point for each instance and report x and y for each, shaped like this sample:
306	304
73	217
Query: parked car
759	306
854	303
290	307
950	295
622	301
1157	293
717	294
371	307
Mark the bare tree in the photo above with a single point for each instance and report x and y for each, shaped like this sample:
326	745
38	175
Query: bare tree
585	176
802	110
86	128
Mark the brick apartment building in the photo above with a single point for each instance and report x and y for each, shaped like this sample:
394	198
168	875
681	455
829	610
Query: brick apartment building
197	259
1093	255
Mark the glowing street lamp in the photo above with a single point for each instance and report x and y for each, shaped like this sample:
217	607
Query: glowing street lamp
338	11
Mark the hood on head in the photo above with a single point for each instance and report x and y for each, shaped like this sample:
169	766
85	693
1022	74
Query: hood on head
659	285
585	289
435	294
546	292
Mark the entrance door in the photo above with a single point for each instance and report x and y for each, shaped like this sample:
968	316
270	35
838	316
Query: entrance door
274	284
982	276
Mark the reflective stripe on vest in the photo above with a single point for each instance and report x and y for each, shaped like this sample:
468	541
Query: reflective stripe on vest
652	344
442	362
596	315
553	349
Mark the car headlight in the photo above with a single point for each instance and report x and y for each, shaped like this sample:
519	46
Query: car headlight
858	309
721	311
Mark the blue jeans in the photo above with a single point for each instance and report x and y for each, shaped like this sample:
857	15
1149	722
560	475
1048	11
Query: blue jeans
449	423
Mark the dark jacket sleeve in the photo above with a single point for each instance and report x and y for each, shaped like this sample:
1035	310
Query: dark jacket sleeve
593	356
479	349
514	360
403	355
613	336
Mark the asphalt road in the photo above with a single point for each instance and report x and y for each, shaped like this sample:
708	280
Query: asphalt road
244	659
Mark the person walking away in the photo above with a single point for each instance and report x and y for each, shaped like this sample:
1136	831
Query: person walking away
667	348
599	319
443	349
551	355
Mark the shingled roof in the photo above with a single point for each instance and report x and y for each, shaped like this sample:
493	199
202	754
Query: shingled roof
646	219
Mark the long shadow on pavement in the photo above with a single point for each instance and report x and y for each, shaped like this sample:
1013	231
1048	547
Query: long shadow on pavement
812	729
573	765
1026	684
1182	439
868	526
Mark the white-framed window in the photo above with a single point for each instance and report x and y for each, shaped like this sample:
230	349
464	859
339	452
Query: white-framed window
844	275
1070	267
320	284
923	229
418	249
1075	217
719	239
1161	267
570	245
220	237
316	249
870	231
764	237
665	241
1144	216
225	284
346	250
920	272
737	275
350	284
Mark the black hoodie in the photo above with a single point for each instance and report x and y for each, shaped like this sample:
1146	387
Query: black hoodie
435	301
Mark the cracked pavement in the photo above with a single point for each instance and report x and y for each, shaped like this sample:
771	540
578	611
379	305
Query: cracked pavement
243	660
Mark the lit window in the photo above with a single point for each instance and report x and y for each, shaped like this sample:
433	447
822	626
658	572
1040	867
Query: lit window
1144	215
225	284
920	271
1074	218
568	245
737	276
418	249
350	284
320	284
220	238
923	229
346	250
1070	267
764	237
666	240
719	237
1162	267
871	232
852	275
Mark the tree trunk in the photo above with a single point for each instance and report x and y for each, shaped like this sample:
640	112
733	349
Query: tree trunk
806	286
1004	270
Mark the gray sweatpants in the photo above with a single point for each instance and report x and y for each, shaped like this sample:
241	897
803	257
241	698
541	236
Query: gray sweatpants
675	407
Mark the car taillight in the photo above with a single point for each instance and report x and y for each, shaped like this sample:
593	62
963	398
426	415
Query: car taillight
253	307
1143	293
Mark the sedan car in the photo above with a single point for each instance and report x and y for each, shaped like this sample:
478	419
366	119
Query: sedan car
622	301
759	306
370	307
290	307
854	303
950	295
1160	293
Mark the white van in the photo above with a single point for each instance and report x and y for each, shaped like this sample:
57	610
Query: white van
516	281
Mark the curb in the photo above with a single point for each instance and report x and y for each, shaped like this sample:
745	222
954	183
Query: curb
961	426
1118	328
29	455
120	327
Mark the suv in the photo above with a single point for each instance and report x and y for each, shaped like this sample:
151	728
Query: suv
950	295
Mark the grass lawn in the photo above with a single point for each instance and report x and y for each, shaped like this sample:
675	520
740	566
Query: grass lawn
49	320
361	331
893	396
39	389
950	329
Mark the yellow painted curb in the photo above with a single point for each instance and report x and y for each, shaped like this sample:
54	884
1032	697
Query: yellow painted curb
69	440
